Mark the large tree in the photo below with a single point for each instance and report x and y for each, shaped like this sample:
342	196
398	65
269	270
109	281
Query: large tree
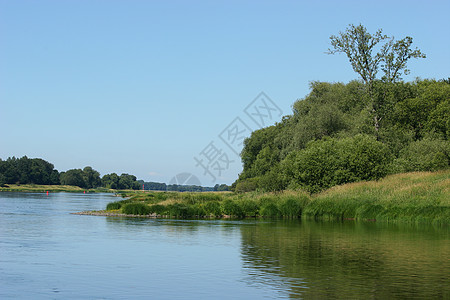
368	53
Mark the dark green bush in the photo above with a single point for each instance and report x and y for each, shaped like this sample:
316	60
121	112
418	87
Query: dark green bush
249	207
179	210
231	208
424	155
331	161
114	205
246	185
197	210
136	209
158	209
213	208
291	207
270	210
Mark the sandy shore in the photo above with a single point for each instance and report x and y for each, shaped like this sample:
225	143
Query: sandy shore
112	214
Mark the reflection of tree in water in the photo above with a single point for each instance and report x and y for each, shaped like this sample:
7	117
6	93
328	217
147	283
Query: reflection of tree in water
347	260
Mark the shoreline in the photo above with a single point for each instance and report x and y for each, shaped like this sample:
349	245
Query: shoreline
104	213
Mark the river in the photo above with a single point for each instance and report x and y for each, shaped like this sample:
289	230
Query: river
48	253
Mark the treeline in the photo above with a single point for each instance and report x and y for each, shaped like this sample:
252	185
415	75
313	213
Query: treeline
158	186
331	138
38	171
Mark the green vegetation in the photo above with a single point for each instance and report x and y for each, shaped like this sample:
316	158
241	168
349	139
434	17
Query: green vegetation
412	197
40	188
422	197
36	171
362	130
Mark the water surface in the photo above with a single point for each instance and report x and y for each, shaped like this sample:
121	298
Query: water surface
48	253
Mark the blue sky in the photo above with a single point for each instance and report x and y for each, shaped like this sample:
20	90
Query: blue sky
143	87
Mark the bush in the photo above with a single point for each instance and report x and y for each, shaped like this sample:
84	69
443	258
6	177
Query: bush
179	210
158	209
197	210
213	208
136	209
270	210
332	161
246	185
231	208
291	207
424	155
269	207
114	205
249	207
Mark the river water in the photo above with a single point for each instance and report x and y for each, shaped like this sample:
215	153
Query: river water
48	253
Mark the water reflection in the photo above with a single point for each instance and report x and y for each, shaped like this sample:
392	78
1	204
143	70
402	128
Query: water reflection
348	260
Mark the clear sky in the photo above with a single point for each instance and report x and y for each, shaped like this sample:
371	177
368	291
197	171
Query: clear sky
145	87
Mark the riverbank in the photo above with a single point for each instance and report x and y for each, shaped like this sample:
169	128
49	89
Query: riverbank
36	188
419	197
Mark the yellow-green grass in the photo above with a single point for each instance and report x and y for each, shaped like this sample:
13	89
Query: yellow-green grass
412	197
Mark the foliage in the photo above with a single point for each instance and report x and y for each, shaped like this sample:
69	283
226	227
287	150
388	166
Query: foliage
424	155
136	209
231	208
330	138
367	53
213	208
114	205
423	197
73	177
27	171
122	182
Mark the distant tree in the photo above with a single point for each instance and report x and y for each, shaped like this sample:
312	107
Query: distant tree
26	170
111	181
73	177
127	181
91	177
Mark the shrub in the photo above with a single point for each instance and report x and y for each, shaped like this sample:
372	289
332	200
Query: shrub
424	155
291	207
213	208
197	210
158	209
179	210
136	209
249	207
231	208
332	161
246	185
114	205
270	210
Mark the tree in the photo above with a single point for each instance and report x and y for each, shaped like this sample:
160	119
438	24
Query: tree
91	177
358	45
110	181
73	177
394	62
367	53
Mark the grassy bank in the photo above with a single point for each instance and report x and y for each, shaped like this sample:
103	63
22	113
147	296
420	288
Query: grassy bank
412	197
50	188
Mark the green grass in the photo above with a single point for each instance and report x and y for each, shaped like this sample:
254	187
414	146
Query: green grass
422	197
411	197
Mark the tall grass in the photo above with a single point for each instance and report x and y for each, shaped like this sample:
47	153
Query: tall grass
136	209
410	197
